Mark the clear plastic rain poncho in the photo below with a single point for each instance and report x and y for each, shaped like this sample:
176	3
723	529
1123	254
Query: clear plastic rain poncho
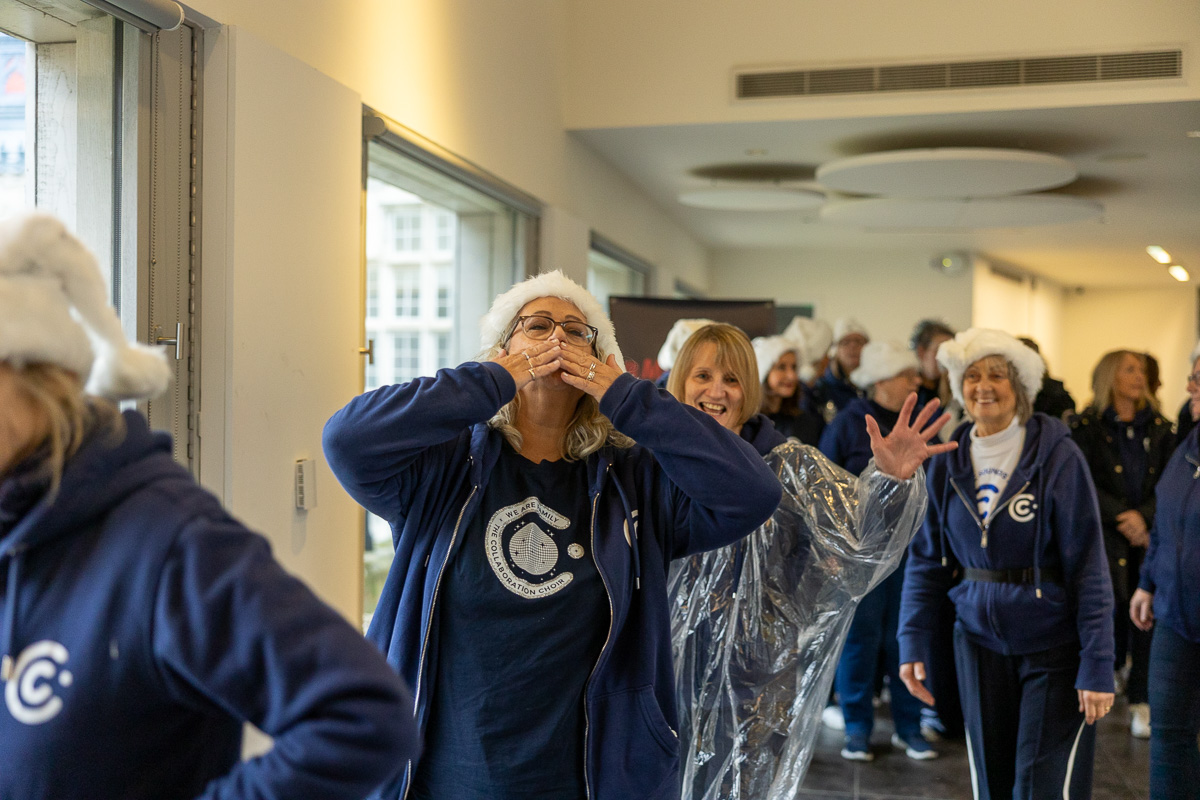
757	627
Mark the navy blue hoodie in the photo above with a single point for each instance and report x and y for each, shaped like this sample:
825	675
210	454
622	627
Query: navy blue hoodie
144	626
1046	517
1171	571
419	455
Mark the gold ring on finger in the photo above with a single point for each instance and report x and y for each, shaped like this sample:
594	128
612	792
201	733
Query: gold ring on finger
591	375
532	377
528	360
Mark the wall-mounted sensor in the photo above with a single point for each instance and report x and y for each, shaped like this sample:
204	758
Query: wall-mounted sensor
306	484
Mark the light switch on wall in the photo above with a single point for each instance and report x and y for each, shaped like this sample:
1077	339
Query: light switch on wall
306	484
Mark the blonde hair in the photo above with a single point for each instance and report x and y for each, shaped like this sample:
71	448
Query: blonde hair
588	431
1104	378
735	354
70	415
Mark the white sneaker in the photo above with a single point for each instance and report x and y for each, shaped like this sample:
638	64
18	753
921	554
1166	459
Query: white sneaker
833	719
1139	720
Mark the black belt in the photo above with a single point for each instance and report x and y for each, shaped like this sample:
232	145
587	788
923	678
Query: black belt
1020	575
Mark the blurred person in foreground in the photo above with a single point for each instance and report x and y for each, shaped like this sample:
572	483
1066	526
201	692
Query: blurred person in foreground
757	625
142	625
1167	600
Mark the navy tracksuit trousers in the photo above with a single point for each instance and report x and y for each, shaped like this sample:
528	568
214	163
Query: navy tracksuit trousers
1026	737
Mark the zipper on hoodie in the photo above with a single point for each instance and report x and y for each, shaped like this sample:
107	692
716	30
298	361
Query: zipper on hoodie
587	723
984	527
432	609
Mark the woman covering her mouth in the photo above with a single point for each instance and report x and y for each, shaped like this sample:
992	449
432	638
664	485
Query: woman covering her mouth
756	625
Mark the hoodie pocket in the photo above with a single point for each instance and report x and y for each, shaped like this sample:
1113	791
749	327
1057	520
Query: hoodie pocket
636	749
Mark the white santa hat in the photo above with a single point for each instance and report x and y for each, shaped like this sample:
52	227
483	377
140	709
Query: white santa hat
815	336
880	361
54	309
680	332
1195	353
843	327
975	343
769	349
497	323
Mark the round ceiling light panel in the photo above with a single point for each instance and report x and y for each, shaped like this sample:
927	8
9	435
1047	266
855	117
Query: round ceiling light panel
752	198
908	213
947	172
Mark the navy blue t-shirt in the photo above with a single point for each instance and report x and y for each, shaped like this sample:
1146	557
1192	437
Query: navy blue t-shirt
521	619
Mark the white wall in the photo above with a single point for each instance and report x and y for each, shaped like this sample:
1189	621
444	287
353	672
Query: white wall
1023	306
280	307
878	289
484	79
1095	322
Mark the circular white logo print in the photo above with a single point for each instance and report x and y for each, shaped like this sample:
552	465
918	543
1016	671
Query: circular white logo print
1022	507
522	551
29	693
575	551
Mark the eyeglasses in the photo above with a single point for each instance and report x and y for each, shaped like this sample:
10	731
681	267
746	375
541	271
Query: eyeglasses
1194	378
536	326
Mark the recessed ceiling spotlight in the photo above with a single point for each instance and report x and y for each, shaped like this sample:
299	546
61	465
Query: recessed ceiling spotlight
756	152
1178	273
1158	254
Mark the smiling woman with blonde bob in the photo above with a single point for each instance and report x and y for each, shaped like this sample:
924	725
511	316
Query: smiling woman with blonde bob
1013	516
757	625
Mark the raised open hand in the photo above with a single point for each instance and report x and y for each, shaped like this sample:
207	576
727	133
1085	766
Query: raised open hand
902	451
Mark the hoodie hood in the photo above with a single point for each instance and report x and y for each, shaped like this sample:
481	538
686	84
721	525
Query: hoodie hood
760	432
1042	435
102	474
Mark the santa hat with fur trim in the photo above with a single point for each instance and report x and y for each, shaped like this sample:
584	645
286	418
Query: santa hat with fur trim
880	361
497	322
843	327
680	332
975	343
54	309
814	337
1195	353
769	349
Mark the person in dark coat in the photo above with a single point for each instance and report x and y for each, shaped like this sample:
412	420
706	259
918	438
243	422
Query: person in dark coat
1052	399
141	627
780	363
834	390
1127	444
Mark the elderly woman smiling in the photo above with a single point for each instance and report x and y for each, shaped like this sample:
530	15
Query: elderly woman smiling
1013	514
527	600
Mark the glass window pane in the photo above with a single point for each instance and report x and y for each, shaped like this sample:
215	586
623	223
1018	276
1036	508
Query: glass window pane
437	252
13	95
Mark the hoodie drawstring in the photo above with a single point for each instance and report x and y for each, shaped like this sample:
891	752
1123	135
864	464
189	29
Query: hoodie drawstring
8	633
631	526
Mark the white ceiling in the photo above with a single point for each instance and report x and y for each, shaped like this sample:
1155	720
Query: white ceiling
1136	160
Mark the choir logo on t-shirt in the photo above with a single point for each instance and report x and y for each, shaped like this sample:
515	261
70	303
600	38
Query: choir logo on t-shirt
29	693
523	552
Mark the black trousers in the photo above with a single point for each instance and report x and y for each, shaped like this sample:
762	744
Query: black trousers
1026	737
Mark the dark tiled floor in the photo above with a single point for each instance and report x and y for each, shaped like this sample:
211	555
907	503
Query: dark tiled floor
1121	770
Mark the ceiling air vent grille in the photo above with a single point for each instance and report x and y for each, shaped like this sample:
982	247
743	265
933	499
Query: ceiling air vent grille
962	74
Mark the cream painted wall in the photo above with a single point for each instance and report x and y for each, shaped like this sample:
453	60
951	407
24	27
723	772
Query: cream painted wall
888	293
671	61
1032	307
483	78
1093	325
280	307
